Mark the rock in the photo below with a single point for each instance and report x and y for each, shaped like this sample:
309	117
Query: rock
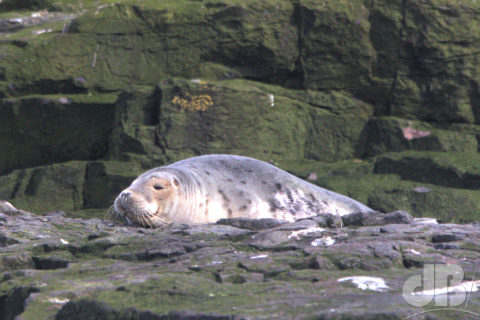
249	110
7	208
446	237
457	170
240	71
25	4
218	230
322	263
389	134
58	142
71	186
251	224
192	271
417	261
56	213
86	309
104	180
377	100
298	225
446	246
12	302
376	218
271	239
48	263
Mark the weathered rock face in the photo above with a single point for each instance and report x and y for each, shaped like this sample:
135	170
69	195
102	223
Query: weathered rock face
374	99
63	268
378	100
48	130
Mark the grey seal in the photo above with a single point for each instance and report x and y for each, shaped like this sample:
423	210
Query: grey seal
207	188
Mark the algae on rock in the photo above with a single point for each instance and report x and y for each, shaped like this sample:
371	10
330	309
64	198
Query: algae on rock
277	80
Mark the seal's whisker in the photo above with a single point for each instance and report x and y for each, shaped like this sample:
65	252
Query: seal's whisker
149	222
154	221
144	220
152	224
113	215
160	221
111	211
137	170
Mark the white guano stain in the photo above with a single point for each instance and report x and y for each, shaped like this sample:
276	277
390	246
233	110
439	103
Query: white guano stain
425	220
58	301
262	256
37	32
326	241
413	251
299	233
367	283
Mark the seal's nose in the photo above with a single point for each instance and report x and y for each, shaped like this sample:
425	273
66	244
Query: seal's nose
125	195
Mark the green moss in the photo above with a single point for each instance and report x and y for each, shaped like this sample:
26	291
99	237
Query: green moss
35	34
89	214
104	180
460	170
389	134
417	182
328	28
182	292
127	42
445	204
289	128
44	189
44	308
28	142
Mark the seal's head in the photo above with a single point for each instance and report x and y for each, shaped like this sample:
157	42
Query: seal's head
150	200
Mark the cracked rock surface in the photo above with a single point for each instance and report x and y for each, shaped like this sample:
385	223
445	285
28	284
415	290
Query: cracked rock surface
55	267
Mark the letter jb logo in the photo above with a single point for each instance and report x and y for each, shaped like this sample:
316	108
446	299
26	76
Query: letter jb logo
439	283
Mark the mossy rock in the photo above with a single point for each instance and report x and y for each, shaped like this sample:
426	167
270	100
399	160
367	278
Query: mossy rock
7	5
228	117
336	51
104	180
70	186
111	46
181	118
391	134
427	200
387	191
210	118
45	189
78	129
135	125
454	170
425	67
414	63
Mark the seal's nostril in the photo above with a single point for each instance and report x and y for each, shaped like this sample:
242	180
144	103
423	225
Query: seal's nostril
126	194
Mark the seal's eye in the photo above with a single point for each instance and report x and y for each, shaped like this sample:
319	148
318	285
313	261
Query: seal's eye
158	187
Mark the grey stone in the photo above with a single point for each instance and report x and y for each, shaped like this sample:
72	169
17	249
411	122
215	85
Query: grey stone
446	237
377	218
251	224
275	269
